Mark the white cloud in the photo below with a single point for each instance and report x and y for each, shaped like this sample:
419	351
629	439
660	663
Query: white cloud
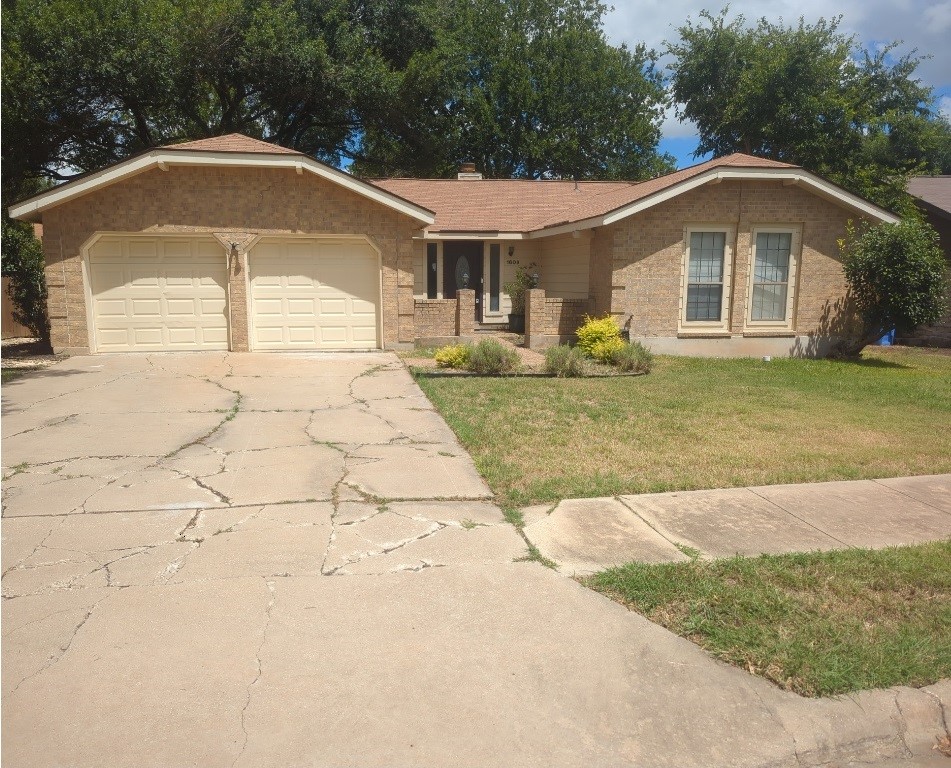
944	107
672	128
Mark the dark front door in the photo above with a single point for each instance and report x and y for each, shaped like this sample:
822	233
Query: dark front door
462	268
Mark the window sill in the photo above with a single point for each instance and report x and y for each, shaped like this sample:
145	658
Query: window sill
698	334
760	333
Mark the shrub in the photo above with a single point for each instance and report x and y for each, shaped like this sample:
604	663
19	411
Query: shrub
453	356
604	351
594	330
564	361
525	278
489	356
633	358
23	264
896	276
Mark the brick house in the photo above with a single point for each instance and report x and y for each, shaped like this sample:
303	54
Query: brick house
233	243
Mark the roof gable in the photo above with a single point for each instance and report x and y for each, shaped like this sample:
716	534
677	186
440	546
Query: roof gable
233	150
934	190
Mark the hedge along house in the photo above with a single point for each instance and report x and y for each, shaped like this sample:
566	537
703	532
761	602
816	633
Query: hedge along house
233	243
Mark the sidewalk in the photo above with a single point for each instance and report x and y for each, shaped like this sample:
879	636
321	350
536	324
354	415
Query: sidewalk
587	535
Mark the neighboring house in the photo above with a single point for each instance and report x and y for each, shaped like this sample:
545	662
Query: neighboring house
232	243
933	196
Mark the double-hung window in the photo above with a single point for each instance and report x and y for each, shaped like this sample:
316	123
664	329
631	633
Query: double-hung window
772	277
706	280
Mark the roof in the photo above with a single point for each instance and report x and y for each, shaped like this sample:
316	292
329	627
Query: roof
537	207
934	190
233	150
233	142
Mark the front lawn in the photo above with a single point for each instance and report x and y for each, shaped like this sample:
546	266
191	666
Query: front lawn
819	624
704	423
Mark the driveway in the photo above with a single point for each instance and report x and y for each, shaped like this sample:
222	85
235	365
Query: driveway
288	560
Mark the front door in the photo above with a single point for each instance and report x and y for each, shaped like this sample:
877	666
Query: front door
462	268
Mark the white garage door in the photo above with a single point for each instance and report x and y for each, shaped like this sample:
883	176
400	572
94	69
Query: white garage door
158	293
314	294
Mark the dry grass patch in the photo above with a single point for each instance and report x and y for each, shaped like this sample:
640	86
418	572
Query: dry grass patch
703	423
818	623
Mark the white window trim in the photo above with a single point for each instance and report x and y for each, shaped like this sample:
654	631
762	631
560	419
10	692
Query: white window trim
795	252
708	326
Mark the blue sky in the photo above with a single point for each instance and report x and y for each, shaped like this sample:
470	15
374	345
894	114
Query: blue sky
924	25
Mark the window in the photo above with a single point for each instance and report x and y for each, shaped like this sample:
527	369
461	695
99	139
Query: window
495	271
772	277
431	268
707	266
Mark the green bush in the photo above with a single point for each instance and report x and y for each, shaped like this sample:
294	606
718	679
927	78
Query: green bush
453	356
564	361
489	356
23	264
595	330
605	350
896	276
633	358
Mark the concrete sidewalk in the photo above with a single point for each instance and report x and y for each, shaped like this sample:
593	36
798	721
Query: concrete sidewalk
588	535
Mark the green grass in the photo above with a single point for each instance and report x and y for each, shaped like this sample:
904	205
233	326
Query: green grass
819	624
12	374
703	423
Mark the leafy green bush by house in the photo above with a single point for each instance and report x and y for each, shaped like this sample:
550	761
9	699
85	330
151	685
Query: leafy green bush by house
596	330
564	361
453	356
605	350
489	356
897	277
23	263
633	358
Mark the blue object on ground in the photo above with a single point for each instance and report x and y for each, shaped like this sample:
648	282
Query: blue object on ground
887	340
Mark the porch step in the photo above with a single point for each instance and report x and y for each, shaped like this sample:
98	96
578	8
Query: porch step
491	328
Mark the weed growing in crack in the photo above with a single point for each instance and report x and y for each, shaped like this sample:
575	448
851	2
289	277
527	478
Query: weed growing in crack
514	516
534	556
692	552
469	524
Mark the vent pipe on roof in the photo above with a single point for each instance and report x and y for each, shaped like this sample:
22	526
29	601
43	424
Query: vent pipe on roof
468	171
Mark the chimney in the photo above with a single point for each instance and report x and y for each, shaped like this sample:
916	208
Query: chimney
468	171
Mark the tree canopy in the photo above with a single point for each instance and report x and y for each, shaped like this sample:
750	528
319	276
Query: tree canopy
807	94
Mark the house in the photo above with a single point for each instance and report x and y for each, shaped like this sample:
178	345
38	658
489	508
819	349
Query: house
933	197
233	243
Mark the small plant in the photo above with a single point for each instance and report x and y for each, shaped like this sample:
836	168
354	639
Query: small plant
594	330
525	278
633	358
489	356
453	356
605	351
564	361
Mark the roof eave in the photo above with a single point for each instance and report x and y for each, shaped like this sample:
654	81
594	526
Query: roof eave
32	208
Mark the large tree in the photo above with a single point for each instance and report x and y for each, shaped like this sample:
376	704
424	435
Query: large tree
807	94
524	88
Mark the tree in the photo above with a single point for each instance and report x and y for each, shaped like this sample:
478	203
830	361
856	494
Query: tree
897	277
23	264
807	95
524	88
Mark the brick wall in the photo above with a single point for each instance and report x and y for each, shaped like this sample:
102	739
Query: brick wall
641	256
192	199
552	320
435	318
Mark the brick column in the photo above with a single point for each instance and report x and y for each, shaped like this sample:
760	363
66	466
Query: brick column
534	307
465	312
238	300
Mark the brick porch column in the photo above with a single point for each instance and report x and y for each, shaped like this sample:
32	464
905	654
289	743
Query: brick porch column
534	307
465	312
238	301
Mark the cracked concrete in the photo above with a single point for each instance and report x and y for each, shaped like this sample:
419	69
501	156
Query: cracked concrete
271	560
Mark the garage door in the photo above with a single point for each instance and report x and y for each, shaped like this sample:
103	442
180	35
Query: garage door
314	294
158	293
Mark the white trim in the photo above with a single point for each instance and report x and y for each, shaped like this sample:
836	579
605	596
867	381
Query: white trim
29	210
708	326
795	258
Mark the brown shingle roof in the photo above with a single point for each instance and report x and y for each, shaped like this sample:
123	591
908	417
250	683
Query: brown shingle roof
516	205
935	190
233	142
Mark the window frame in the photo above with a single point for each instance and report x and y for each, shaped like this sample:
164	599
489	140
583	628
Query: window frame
708	326
792	294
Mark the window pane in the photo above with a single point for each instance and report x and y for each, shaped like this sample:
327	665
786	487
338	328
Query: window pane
495	271
430	270
772	257
769	302
703	302
705	276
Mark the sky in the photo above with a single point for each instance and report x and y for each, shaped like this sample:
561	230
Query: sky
921	24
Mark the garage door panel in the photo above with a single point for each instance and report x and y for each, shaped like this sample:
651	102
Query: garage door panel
158	293
313	294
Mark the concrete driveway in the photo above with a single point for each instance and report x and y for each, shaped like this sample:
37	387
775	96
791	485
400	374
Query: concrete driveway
288	560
